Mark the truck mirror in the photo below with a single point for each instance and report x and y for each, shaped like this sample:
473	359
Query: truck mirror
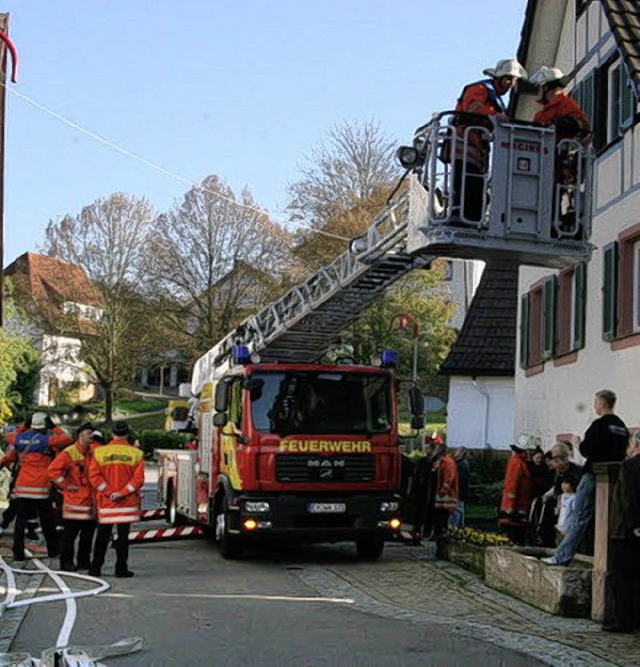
416	400
222	396
417	422
220	419
254	387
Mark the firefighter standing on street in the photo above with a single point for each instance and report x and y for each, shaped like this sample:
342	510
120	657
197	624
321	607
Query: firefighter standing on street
33	451
116	472
70	472
471	155
10	513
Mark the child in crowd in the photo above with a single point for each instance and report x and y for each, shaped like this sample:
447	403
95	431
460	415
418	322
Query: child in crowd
566	506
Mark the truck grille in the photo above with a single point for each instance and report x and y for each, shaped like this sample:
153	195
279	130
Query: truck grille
345	468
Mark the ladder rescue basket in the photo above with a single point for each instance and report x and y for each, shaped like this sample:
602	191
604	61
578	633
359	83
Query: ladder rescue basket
486	189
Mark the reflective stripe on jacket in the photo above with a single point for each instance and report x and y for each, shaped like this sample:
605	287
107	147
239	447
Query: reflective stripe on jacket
33	451
71	469
117	468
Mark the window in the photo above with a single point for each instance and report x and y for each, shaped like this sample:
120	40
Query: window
609	291
636	286
548	324
524	331
621	104
585	95
581	5
570	310
235	403
578	307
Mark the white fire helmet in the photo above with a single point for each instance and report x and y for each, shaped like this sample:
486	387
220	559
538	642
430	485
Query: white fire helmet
546	75
507	67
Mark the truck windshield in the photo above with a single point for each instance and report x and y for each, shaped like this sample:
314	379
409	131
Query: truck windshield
317	402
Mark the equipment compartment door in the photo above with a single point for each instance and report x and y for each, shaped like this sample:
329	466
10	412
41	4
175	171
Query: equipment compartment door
186	500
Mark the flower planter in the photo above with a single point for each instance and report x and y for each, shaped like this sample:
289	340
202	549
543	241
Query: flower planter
469	556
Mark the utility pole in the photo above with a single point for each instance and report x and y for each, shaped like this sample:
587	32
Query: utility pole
4	26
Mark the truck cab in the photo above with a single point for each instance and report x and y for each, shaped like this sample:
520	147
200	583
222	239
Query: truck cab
304	452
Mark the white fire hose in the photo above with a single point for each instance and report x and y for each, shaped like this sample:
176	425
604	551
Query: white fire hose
62	654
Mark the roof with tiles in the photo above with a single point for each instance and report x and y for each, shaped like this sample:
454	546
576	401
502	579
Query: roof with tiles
49	279
486	343
624	20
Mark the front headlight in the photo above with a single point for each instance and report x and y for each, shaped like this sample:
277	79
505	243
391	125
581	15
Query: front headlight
389	506
258	507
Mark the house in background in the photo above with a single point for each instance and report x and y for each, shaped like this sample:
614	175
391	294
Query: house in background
49	290
481	364
579	329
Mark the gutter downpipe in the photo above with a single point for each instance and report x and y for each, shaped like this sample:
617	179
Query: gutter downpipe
487	400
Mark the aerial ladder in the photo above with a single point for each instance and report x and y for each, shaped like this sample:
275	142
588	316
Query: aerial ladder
288	447
536	210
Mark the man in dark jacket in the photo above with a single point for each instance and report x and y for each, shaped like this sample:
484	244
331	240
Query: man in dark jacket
605	440
624	533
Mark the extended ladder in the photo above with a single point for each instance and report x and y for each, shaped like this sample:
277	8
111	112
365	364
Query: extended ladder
302	325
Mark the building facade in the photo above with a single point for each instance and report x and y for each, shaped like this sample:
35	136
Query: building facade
579	329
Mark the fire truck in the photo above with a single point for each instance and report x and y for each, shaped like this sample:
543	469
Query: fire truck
290	447
305	452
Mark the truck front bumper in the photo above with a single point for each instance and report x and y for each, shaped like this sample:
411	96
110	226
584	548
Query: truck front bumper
316	517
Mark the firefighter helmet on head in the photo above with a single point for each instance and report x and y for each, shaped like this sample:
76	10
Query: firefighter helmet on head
507	67
546	75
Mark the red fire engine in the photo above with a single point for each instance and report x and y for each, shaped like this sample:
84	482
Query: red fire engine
307	452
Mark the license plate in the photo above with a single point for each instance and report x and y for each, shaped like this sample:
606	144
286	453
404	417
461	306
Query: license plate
326	508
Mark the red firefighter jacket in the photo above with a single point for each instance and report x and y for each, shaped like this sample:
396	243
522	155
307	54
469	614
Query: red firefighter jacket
117	467
516	495
70	471
33	451
563	112
447	489
479	98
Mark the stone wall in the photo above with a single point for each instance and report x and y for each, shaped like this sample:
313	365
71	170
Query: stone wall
564	591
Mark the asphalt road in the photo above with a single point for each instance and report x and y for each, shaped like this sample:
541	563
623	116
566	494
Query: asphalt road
194	608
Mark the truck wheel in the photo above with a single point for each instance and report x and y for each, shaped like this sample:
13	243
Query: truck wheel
230	545
369	548
173	518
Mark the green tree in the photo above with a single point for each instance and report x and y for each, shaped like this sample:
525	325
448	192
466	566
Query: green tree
19	361
420	296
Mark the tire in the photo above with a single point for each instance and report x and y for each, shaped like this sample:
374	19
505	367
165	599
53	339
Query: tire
369	548
172	516
230	545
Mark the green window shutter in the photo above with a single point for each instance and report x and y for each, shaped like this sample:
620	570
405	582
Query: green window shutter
524	331
549	297
627	100
609	290
588	102
580	311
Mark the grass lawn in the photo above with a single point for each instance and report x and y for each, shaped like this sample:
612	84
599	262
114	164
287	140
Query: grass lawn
142	405
146	422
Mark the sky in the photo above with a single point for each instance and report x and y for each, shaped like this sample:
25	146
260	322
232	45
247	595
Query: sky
239	88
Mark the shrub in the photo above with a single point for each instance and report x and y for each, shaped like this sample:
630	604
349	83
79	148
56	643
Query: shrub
157	439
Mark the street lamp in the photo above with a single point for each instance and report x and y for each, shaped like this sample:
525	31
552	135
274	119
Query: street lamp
403	323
